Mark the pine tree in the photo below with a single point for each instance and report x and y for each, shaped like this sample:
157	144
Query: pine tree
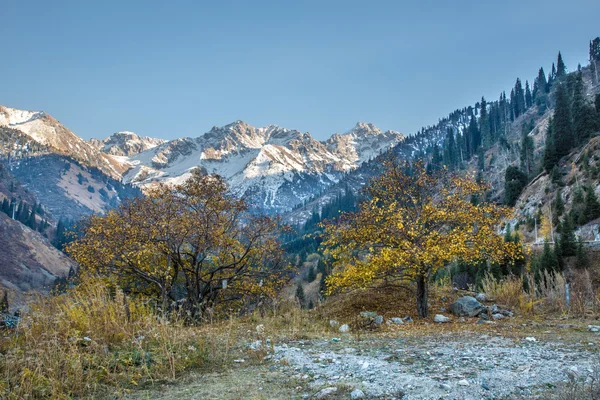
550	155
582	261
475	136
584	114
548	260
592	206
528	96
567	240
562	129
311	275
514	182
300	294
561	69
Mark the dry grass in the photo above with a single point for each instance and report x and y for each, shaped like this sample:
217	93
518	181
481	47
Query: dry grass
94	339
547	295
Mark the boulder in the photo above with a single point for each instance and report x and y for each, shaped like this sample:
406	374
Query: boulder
357	394
481	297
370	320
395	321
344	328
467	306
325	393
440	319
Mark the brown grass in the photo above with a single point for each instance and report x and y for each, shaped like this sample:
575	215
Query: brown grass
94	339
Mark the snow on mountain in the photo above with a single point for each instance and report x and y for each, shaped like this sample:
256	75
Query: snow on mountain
47	131
126	143
277	167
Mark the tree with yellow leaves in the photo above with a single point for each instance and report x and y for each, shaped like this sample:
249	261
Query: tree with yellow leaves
411	224
194	243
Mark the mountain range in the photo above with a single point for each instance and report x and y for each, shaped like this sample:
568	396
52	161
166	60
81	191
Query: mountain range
277	168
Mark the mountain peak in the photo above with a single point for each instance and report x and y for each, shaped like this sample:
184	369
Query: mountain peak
125	143
364	128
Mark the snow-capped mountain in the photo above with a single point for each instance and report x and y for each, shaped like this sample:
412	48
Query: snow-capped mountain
126	143
47	131
278	167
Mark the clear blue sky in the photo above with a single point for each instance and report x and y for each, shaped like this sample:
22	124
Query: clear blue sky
176	68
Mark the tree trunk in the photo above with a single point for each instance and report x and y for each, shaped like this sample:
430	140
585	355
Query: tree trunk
422	295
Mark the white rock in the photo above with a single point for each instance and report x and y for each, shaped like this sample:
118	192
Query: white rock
463	382
439	318
530	339
333	323
395	321
344	328
593	328
445	386
357	394
498	316
324	393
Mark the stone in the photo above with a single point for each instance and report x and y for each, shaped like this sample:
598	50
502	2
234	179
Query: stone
368	314
260	330
344	328
498	316
440	319
395	321
463	382
378	320
593	328
445	386
357	394
408	319
466	306
531	339
481	297
325	393
333	323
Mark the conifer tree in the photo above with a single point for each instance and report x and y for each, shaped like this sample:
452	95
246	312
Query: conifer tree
300	294
475	136
561	69
592	206
528	96
582	261
562	129
584	114
567	240
548	260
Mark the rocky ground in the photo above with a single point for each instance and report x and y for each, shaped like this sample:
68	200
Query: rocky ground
479	362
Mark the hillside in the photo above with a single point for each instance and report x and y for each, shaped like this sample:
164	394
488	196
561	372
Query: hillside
28	261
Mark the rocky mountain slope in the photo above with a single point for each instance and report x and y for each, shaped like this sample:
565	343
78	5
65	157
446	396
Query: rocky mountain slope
125	144
279	168
44	130
28	260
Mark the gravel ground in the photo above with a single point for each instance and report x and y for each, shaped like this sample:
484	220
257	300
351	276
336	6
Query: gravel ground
442	367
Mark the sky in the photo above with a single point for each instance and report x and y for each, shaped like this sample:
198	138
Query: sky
177	68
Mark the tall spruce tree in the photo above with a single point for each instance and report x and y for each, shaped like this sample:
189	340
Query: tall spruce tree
550	154
561	69
584	114
567	240
562	129
591	209
528	96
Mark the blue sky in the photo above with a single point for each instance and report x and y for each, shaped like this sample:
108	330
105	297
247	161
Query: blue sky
176	68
